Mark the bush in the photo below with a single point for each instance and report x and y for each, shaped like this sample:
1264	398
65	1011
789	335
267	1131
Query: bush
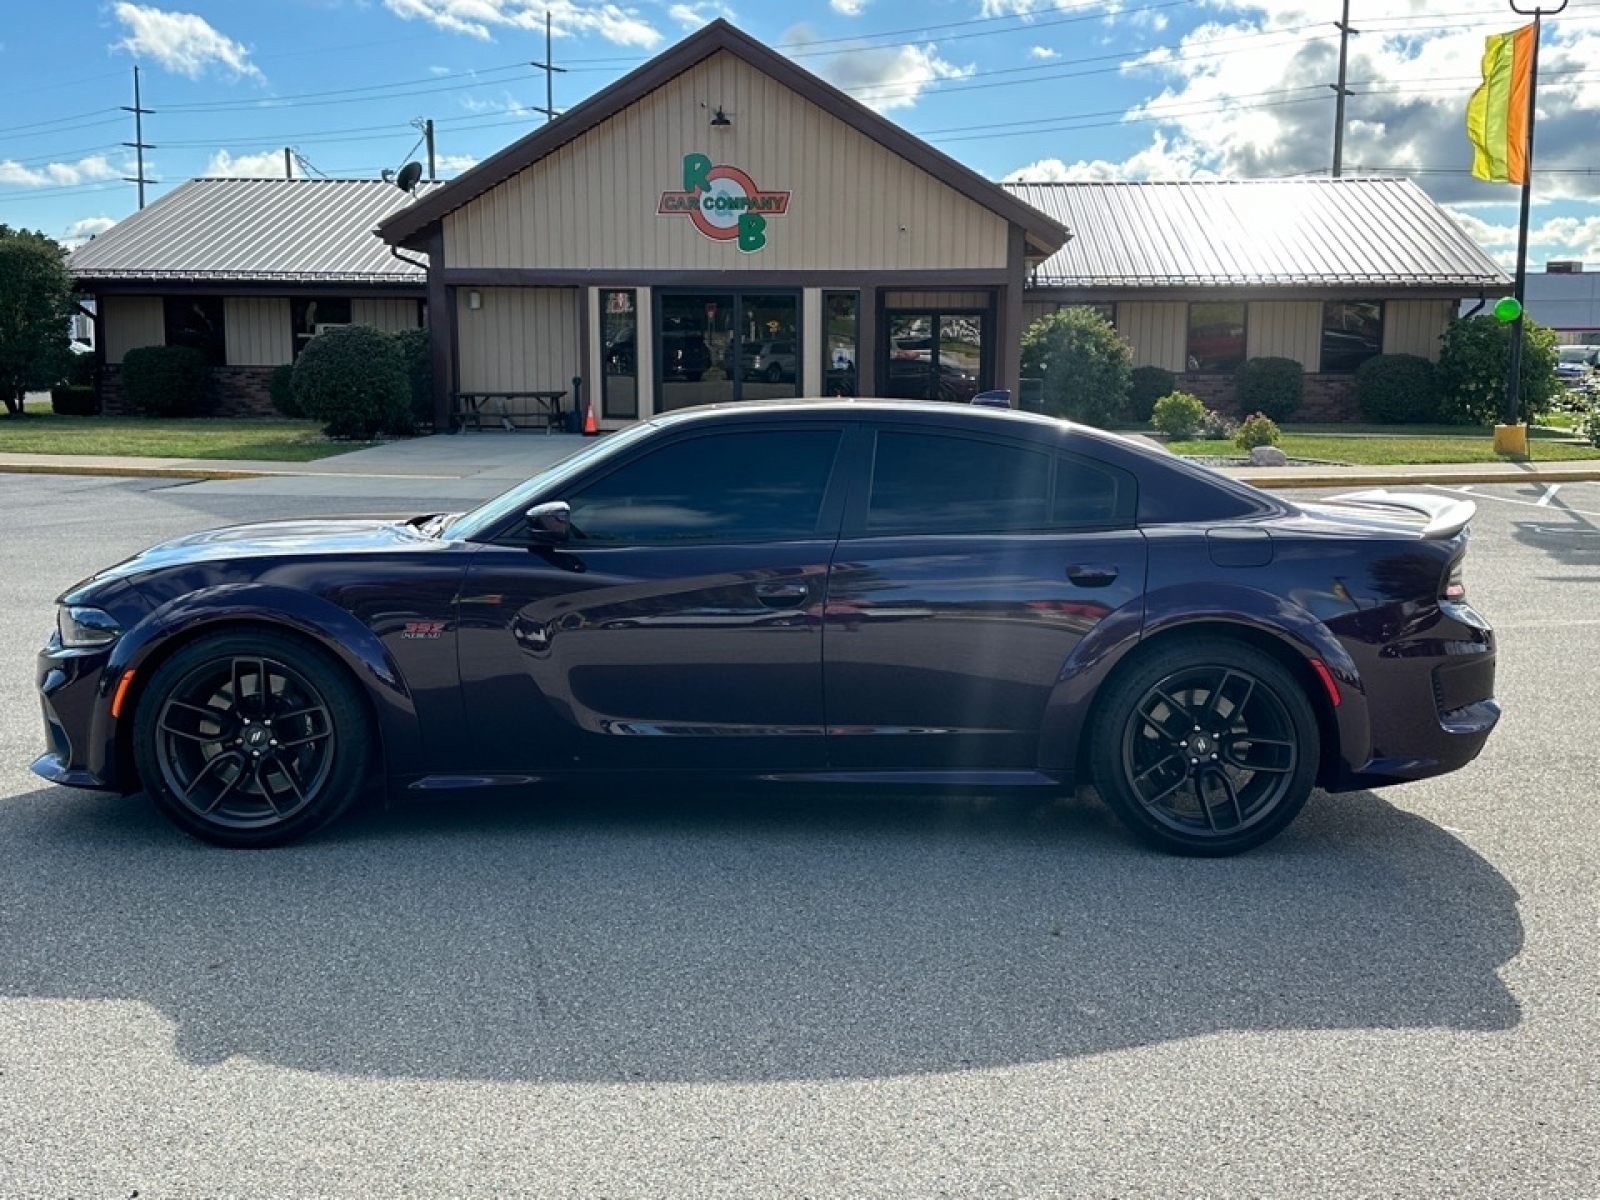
73	400
1178	415
353	380
1084	365
1398	389
1270	386
418	359
1214	427
1589	425
1475	362
1257	430
166	381
280	387
1147	385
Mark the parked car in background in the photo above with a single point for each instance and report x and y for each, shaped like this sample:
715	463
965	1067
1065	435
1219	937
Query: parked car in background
852	593
773	361
1576	362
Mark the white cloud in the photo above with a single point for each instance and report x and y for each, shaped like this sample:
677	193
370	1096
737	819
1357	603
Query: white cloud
181	42
480	18
692	16
847	8
450	165
266	165
84	170
82	231
889	77
1043	52
1159	160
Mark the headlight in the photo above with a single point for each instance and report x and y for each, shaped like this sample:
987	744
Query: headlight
82	627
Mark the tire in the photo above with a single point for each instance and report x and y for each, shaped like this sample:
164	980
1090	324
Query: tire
1205	748
774	374
211	748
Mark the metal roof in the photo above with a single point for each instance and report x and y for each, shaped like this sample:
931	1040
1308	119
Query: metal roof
267	230
1305	233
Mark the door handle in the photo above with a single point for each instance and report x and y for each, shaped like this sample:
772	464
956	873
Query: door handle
783	595
1092	574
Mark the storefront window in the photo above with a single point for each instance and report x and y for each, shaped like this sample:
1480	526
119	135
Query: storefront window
619	338
841	318
1216	337
722	346
935	356
196	321
1352	332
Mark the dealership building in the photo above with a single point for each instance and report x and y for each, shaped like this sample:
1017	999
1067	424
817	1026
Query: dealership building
721	225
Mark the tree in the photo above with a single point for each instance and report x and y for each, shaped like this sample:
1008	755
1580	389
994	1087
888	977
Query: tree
35	308
1475	363
1085	365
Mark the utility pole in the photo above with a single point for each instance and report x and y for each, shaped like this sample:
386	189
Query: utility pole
427	133
138	143
550	69
288	163
1340	90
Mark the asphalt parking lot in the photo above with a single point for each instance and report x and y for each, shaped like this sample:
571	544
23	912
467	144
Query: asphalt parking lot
765	995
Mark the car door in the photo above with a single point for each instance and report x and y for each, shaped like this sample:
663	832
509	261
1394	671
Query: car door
969	569
681	624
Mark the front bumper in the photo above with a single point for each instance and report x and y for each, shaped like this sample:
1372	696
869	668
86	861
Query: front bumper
80	734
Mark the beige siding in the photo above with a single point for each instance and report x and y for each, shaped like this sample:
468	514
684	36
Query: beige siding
1285	329
390	314
1158	333
520	340
853	205
131	322
940	300
258	330
1415	326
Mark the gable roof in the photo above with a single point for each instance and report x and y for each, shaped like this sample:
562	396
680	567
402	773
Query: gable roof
412	226
1305	233
263	230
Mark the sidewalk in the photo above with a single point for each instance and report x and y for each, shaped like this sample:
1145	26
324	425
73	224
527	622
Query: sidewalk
495	459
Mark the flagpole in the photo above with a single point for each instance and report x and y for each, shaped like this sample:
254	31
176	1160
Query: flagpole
1514	372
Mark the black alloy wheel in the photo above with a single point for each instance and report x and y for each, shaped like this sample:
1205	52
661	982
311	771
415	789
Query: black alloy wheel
251	739
1205	748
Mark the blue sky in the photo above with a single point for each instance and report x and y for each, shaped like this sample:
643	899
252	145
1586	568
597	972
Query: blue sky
1132	89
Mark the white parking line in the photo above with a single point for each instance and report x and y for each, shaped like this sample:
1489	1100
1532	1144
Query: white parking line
1542	502
1549	495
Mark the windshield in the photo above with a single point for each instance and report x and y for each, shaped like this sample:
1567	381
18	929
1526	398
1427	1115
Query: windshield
520	498
1576	354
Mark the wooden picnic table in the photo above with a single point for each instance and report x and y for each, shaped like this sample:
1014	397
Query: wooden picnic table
539	408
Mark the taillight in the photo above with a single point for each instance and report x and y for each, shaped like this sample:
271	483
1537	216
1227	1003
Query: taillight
1455	588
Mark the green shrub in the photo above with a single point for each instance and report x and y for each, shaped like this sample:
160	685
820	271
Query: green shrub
1178	415
166	381
1589	425
1273	387
1214	427
1084	365
81	371
1147	385
353	380
280	387
1475	363
415	352
1398	389
72	400
1257	430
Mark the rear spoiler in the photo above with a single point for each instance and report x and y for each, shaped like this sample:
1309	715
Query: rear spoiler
1446	516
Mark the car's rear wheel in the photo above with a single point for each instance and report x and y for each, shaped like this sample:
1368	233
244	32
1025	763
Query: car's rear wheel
251	739
1206	747
774	374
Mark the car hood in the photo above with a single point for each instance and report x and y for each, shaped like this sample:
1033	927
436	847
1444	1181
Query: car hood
271	539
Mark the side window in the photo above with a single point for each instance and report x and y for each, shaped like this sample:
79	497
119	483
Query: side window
1089	494
765	486
936	483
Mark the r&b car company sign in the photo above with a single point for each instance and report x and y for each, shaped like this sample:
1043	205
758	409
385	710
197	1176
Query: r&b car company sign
724	203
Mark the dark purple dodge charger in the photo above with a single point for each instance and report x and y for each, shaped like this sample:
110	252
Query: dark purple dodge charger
854	592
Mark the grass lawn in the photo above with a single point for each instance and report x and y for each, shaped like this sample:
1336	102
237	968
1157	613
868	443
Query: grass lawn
269	440
1384	445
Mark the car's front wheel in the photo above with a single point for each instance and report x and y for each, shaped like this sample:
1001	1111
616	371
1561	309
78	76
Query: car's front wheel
1207	747
251	739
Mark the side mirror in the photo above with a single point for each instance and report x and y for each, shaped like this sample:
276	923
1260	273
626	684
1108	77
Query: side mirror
550	524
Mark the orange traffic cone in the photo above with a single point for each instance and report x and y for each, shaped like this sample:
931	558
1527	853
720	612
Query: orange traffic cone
590	429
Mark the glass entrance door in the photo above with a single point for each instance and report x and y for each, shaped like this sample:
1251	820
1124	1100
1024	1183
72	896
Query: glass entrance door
935	356
715	347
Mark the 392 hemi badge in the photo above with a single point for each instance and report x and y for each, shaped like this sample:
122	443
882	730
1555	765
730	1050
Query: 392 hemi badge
422	631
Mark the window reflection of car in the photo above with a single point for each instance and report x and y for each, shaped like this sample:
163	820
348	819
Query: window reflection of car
684	355
772	361
919	379
1576	362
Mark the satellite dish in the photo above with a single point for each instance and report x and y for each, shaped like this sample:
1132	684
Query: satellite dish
406	180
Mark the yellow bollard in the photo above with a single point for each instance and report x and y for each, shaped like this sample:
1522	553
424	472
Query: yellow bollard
1511	439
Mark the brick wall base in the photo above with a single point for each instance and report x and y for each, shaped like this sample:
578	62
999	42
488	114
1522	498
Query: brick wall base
231	392
1328	399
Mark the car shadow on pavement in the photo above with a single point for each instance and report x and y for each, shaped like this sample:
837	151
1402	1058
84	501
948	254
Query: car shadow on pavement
744	937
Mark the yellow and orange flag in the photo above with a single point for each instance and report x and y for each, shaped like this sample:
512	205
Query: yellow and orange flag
1497	114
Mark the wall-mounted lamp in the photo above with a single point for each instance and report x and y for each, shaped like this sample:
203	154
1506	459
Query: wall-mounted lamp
474	300
719	119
